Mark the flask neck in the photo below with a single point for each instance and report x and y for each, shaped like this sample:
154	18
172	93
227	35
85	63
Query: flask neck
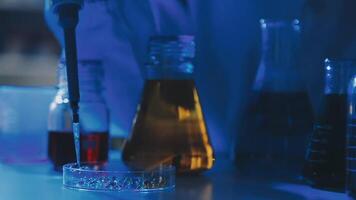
170	57
280	41
62	95
91	75
338	75
278	69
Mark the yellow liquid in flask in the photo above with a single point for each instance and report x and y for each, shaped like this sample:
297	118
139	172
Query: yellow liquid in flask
169	128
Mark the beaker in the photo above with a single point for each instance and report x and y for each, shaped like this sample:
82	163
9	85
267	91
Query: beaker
169	125
351	140
93	113
325	158
278	117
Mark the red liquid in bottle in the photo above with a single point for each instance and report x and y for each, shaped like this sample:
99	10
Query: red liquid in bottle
93	147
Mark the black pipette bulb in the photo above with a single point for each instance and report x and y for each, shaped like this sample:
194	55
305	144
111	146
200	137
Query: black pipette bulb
67	11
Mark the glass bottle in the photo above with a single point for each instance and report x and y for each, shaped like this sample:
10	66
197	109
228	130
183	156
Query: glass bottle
351	140
325	158
279	116
93	113
169	126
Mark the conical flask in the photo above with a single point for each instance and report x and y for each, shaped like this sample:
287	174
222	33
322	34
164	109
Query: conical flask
278	117
169	126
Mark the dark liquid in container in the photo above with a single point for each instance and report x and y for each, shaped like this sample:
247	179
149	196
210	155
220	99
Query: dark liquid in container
351	158
275	127
61	150
169	128
325	158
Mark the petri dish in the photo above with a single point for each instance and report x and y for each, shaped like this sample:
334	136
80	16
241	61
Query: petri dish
116	177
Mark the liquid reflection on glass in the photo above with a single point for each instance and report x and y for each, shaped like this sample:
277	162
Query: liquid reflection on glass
169	126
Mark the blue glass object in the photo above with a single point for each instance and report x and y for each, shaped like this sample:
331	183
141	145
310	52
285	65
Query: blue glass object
278	117
94	120
325	158
116	177
351	140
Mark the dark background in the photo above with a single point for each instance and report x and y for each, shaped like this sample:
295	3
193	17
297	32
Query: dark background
28	51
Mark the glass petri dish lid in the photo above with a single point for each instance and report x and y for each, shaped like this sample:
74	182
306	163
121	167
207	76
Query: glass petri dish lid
116	177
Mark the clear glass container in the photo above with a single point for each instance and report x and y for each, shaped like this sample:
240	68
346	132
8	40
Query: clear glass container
325	157
351	140
116	177
278	117
169	126
94	118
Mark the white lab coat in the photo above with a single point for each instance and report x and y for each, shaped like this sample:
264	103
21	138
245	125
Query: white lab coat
227	38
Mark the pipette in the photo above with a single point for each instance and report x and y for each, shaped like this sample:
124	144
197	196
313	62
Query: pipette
67	11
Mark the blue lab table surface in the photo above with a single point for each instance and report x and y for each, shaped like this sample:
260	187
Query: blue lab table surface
26	175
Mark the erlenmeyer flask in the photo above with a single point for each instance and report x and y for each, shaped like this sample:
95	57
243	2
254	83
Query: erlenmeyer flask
169	126
278	117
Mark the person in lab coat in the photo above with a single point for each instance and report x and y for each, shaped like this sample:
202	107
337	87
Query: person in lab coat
227	35
96	39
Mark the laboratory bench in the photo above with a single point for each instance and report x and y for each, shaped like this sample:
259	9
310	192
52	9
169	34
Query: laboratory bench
26	174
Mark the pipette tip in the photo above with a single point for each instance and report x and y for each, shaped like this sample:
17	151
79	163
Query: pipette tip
76	133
